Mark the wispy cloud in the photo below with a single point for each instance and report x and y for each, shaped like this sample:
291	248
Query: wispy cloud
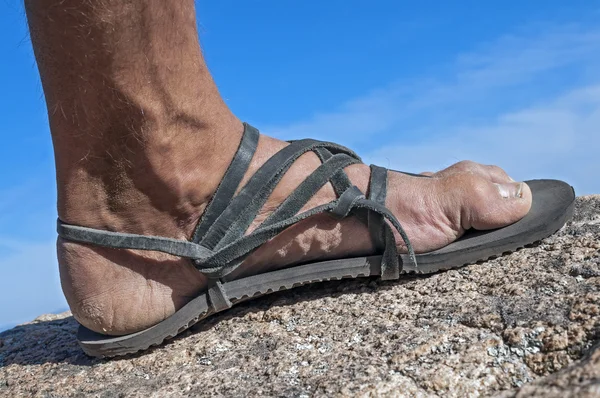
529	102
559	139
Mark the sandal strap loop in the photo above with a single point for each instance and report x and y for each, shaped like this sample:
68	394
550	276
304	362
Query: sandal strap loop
217	296
347	202
390	264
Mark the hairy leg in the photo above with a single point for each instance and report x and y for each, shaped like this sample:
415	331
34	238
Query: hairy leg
134	114
142	139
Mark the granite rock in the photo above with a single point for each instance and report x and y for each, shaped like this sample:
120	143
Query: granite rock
526	324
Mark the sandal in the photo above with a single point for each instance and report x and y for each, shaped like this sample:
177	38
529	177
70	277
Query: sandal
219	244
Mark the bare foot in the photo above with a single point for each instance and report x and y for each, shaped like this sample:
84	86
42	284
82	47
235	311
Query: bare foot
122	291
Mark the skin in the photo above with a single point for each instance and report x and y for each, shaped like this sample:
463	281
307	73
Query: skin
142	139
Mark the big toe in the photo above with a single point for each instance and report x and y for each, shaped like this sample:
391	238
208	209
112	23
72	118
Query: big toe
487	205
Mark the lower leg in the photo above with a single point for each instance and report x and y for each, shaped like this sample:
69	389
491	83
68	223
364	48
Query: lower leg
142	139
127	88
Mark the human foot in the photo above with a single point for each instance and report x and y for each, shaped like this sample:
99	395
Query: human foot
116	292
142	138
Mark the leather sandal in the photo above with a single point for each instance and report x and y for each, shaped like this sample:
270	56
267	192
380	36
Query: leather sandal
220	243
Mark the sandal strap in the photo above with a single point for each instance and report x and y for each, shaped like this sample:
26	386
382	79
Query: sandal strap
220	243
347	202
242	210
230	182
217	295
120	240
377	193
311	185
340	180
237	250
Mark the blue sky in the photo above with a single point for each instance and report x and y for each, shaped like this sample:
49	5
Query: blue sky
409	85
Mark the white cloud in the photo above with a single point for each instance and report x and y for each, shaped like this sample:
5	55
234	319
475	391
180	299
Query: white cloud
529	103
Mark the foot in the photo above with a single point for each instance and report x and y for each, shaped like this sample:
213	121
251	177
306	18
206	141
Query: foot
122	291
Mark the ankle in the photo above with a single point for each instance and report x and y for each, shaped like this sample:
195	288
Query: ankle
156	180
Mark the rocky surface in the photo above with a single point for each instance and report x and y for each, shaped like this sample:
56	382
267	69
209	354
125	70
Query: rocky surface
527	324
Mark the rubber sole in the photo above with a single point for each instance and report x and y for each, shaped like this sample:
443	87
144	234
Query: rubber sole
553	203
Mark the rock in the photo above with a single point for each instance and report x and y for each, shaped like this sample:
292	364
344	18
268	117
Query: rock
526	324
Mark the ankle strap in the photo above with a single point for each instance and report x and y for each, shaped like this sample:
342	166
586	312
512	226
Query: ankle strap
119	240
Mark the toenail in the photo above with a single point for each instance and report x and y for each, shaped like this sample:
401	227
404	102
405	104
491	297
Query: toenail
519	193
514	190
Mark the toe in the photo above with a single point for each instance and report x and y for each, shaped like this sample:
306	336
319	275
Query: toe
486	204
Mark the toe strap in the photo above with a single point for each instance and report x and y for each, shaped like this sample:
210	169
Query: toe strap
390	262
378	194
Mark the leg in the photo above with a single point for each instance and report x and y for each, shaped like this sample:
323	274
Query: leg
142	139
